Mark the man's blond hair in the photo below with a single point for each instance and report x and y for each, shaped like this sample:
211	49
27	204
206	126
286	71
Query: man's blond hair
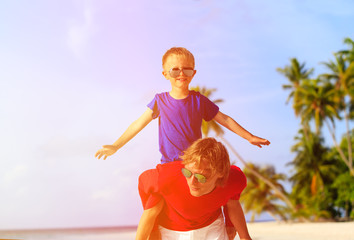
209	153
178	51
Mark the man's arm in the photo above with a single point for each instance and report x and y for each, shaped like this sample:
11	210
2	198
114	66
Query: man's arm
131	131
238	219
233	126
147	221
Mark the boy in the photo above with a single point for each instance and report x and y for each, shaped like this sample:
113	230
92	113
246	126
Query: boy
185	197
180	112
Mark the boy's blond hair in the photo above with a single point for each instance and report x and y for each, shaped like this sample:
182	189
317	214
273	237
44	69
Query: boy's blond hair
178	51
211	154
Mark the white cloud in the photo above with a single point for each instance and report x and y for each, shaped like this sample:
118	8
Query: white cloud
79	32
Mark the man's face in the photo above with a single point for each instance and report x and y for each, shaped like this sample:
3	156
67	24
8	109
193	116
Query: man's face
178	62
196	188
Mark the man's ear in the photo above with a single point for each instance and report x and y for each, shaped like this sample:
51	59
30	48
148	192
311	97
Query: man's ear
220	180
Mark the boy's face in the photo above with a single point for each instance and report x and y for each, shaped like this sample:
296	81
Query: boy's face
178	62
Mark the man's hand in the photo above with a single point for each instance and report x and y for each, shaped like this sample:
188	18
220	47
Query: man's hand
106	151
231	232
258	141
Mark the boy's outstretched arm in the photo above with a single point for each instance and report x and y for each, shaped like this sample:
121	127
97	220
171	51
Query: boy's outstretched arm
131	131
147	221
233	126
237	218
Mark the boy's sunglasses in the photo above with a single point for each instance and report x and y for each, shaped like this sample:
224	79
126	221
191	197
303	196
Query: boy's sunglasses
174	72
201	178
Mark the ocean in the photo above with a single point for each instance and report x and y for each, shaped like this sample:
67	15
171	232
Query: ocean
113	233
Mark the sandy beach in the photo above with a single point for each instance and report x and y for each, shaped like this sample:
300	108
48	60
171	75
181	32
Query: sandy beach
303	231
258	231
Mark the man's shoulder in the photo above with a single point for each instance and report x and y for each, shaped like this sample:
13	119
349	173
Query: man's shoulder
171	169
162	172
237	176
149	176
169	175
234	168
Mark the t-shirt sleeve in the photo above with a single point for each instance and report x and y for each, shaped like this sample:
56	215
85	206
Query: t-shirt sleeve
148	188
154	107
239	181
210	109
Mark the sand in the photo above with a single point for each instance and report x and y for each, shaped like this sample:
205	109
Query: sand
258	231
303	231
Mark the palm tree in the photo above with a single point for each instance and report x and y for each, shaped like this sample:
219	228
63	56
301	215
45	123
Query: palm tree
212	125
316	101
308	163
344	182
295	73
259	197
313	170
342	73
348	54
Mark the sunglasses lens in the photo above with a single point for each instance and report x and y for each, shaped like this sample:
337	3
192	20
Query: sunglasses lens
186	173
174	72
188	72
200	178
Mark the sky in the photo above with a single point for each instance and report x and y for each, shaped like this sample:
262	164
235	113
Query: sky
75	74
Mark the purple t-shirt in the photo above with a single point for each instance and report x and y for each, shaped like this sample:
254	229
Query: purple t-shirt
180	121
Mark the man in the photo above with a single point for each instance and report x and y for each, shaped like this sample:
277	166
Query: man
183	199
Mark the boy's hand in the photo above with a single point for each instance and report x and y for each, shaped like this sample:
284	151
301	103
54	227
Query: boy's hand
258	141
106	151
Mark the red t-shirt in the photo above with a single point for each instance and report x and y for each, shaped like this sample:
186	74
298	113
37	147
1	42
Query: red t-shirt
182	211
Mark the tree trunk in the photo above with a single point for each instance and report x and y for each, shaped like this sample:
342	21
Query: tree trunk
350	153
274	216
341	154
258	175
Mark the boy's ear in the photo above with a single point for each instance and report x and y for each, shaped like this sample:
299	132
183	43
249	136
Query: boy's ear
165	74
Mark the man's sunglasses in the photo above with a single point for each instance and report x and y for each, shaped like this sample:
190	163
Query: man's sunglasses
175	72
201	178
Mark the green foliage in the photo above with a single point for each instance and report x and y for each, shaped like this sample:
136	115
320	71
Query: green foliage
313	171
316	100
295	73
323	178
259	197
342	76
344	185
